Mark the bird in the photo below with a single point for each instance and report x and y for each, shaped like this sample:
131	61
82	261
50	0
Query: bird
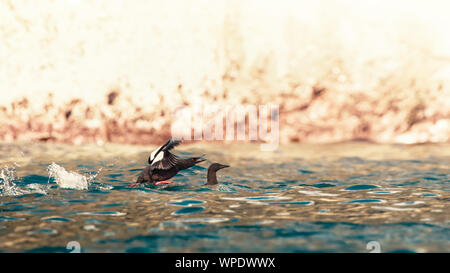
213	168
164	165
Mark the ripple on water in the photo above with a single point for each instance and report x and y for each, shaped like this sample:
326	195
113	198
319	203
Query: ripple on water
9	203
81	201
384	192
181	179
188	210
322	185
409	183
43	231
114	175
316	193
305	203
7	218
100	213
305	171
204	220
187	203
98	222
361	187
20	207
364	201
48	249
55	219
40	211
33	178
111	205
203	189
432	178
242	186
392	208
430	195
198	167
409	203
138	250
170	187
255	198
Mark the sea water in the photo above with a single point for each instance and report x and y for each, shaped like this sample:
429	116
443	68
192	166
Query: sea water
300	198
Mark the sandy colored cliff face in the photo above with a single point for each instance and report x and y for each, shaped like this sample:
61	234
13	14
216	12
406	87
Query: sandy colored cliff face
115	71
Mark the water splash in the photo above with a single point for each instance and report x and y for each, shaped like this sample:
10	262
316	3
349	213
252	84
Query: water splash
93	176
38	188
222	187
69	179
7	185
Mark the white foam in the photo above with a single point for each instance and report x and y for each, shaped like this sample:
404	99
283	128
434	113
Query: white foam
106	187
222	187
38	188
67	179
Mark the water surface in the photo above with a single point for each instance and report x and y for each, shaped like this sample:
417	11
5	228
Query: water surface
301	198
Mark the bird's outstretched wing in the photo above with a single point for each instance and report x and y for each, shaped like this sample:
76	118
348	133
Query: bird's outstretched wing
163	151
169	161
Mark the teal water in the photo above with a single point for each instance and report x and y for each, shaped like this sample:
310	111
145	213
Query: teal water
301	198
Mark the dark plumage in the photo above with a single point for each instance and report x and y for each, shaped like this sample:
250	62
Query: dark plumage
212	179
165	165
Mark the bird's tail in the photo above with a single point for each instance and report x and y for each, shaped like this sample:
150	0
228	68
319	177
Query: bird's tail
189	162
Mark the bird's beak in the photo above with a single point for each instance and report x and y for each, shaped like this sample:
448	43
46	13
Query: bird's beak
223	166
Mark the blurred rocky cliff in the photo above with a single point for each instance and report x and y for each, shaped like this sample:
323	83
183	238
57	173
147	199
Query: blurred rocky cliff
114	71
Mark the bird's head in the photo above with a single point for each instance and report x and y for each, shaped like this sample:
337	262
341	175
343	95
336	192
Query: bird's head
217	166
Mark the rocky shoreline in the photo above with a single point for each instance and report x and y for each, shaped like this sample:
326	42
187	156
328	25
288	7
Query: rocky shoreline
335	120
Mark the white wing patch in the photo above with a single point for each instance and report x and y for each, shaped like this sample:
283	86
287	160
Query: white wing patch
159	157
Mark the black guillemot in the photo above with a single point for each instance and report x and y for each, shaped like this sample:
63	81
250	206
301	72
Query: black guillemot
164	165
211	178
